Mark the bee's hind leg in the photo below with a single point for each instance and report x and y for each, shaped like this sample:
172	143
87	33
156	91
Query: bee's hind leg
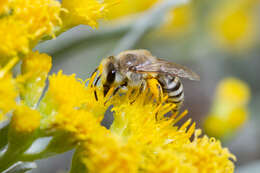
156	89
141	89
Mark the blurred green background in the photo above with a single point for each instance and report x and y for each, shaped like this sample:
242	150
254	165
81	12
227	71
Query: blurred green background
216	39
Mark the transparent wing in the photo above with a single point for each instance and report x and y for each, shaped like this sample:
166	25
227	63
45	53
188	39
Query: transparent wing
165	67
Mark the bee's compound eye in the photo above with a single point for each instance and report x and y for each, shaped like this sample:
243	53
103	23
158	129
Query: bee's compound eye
111	73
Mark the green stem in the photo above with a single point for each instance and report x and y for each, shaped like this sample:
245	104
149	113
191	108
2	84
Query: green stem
8	159
4	136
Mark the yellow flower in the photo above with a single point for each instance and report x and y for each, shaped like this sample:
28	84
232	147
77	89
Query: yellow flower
229	110
200	155
87	13
114	156
65	91
35	68
15	36
39	16
127	7
25	119
238	117
8	95
137	142
141	138
4	8
28	22
234	27
179	20
233	91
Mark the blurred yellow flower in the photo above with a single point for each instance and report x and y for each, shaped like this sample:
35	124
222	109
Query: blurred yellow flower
234	26
128	7
88	12
229	111
233	91
4	8
179	20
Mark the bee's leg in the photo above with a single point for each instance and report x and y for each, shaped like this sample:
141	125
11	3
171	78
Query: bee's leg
95	84
139	93
116	90
93	72
155	88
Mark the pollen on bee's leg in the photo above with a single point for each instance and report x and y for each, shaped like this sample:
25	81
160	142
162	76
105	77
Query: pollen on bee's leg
155	89
108	93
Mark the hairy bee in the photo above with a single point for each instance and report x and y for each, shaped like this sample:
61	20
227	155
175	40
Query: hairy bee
136	67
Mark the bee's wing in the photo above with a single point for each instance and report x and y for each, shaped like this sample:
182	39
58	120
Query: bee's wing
165	67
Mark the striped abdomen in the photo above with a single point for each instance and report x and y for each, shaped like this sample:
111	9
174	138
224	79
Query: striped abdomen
172	87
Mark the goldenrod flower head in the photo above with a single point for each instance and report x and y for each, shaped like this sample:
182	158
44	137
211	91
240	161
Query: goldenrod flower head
88	12
8	94
113	156
36	63
14	36
80	124
200	155
141	138
25	119
233	91
234	27
66	90
39	16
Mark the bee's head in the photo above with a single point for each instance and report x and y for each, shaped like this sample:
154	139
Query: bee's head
109	73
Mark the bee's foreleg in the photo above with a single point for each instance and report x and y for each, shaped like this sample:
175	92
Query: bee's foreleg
116	91
95	84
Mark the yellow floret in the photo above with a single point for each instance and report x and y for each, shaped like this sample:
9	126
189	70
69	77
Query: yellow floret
14	36
39	16
25	119
85	12
8	95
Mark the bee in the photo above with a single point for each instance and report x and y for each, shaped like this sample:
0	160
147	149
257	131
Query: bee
135	68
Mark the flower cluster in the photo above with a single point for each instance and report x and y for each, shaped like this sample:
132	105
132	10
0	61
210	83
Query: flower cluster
229	111
141	138
30	21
